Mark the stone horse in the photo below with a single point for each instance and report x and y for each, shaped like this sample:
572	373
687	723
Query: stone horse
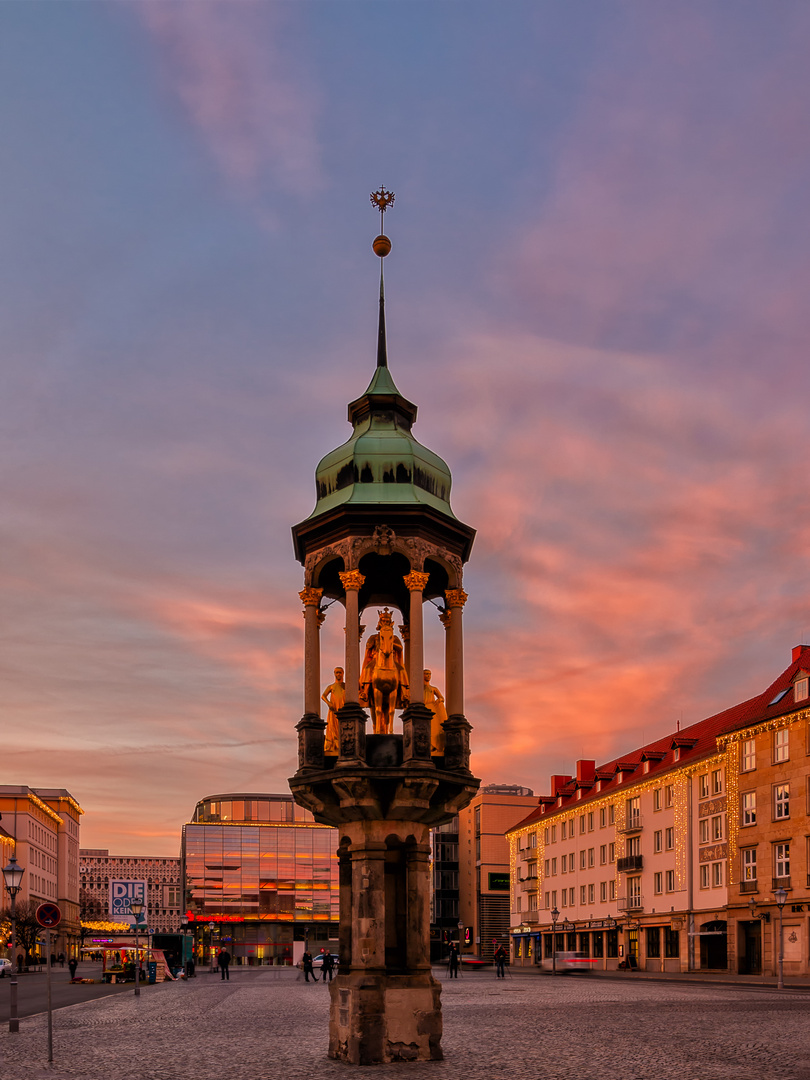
384	681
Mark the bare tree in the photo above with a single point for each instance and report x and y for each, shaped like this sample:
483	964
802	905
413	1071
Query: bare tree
28	929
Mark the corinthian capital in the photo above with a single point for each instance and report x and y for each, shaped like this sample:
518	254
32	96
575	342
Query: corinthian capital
352	579
415	581
455	598
311	597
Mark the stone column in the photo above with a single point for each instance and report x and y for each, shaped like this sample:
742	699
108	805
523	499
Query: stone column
454	652
418	863
415	583
352	581
311	599
368	904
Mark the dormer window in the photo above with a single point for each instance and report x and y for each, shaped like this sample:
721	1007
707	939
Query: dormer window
646	766
676	754
801	689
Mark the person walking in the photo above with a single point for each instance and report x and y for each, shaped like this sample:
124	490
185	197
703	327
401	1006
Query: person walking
61	959
308	968
73	963
328	964
224	960
453	964
500	961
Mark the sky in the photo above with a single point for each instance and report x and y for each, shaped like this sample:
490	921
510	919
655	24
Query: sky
597	297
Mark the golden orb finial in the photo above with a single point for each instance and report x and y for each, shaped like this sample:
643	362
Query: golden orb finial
382	199
381	245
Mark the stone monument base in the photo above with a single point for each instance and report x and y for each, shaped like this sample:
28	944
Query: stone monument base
379	1018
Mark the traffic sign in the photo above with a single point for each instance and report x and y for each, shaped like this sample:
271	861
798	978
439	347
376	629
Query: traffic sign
49	915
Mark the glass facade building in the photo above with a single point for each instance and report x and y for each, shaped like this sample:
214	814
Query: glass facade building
260	875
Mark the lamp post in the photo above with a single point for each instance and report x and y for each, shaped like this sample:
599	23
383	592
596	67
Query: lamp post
211	944
136	907
554	916
12	877
184	931
780	896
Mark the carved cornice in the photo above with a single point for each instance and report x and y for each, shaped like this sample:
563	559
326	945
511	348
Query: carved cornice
415	581
456	598
352	579
445	617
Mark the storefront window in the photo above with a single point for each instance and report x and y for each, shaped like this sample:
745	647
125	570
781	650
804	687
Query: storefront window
654	942
672	943
612	944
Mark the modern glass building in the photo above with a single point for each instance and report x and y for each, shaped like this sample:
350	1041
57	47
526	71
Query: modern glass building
260	877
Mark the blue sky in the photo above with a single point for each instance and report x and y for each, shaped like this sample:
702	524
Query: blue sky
597	298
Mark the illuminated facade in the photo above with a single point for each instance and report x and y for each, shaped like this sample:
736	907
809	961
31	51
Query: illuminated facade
263	873
769	842
44	823
164	895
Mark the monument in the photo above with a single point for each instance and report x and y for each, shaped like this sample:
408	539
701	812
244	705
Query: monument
383	539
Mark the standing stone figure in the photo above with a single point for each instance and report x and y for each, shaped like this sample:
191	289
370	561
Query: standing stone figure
335	698
434	699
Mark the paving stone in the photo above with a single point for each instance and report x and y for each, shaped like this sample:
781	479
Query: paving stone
268	1024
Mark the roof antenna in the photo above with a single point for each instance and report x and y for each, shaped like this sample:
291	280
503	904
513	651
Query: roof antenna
382	199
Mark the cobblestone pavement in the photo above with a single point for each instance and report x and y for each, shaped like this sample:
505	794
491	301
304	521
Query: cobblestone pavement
268	1024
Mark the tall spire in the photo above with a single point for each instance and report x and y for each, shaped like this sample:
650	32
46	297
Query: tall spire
382	199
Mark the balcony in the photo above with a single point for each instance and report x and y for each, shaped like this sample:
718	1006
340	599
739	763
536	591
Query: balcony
630	903
632	823
749	886
781	883
629	862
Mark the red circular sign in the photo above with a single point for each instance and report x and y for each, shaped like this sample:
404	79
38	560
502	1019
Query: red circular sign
49	916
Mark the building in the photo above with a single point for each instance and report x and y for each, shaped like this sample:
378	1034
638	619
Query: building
260	876
444	893
484	865
672	856
164	894
45	823
769	841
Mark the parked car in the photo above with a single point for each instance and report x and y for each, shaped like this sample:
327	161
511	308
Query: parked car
5	967
570	962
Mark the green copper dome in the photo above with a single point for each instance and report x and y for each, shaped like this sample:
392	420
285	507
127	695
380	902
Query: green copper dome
382	463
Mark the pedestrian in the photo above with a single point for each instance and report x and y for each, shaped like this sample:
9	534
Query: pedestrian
73	963
308	968
328	964
61	959
500	961
453	964
223	962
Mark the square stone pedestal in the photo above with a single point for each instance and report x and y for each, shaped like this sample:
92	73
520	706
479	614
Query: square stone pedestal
377	1018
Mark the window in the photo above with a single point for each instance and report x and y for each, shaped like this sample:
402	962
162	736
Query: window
658	841
749	808
603	891
602	854
602	818
669	795
581	823
717	827
553	898
564	862
571	900
676	754
591	856
553	867
591	893
801	690
703	783
781	860
563	829
704	830
533	840
672	947
612	889
781	745
554	834
749	864
546	868
704	875
781	801
657	798
749	755
633	812
545	900
670	838
582	894
612	853
717	781
611	814
670	881
654	942
582	857
533	902
590	821
633	845
658	880
545	837
717	874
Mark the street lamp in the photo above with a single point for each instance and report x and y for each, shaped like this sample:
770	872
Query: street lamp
136	907
211	944
554	916
780	896
12	877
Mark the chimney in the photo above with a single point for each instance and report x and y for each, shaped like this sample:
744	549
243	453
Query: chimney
798	650
586	770
559	782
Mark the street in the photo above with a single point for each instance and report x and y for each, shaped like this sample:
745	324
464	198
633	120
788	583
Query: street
32	990
268	1024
